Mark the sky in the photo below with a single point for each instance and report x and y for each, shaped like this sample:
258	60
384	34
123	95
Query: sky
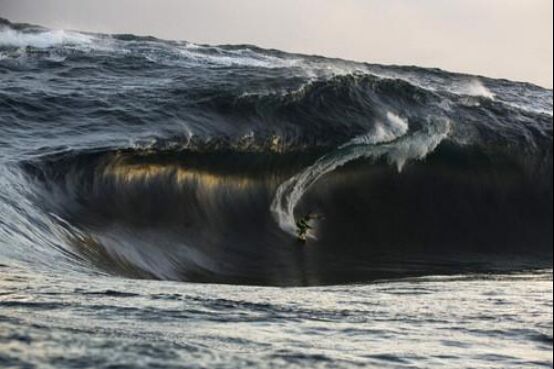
510	39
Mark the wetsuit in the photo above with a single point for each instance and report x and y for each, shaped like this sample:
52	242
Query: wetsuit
303	227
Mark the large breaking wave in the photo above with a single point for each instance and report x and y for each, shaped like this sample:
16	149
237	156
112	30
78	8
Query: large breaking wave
145	158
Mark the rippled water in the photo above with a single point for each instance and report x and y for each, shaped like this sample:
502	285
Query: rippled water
497	321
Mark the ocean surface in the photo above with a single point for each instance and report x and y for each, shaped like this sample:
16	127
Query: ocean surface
165	204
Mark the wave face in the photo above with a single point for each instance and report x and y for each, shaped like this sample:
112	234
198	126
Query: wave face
138	157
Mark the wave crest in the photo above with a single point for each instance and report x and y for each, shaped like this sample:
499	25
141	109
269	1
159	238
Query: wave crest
42	40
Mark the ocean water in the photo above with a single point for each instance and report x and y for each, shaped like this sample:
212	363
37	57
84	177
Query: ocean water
53	321
171	205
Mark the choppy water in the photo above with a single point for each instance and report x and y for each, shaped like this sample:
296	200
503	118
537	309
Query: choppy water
464	322
146	187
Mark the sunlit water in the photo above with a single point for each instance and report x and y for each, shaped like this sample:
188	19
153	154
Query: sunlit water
466	322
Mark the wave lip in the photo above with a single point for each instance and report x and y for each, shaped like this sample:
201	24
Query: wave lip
42	40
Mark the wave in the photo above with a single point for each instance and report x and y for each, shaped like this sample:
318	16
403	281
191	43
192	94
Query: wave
205	217
10	37
146	158
22	36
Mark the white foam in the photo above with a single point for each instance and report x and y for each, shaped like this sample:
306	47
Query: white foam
242	57
417	146
476	88
395	127
41	40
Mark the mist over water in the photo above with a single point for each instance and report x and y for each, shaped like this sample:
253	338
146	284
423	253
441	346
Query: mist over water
139	176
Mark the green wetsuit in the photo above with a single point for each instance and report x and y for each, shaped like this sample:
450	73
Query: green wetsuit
303	227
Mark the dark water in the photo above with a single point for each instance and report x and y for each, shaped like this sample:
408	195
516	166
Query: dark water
125	160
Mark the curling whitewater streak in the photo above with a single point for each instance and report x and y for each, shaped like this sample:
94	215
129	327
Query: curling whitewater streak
143	158
371	146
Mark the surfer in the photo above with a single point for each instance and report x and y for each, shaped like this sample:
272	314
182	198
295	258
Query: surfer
304	226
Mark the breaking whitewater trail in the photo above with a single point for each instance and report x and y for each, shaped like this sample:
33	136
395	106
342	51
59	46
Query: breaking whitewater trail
391	141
